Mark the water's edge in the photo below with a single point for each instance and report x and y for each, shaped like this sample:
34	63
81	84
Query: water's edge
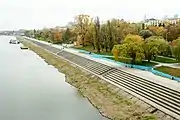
100	94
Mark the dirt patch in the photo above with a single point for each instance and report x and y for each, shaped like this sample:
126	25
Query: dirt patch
104	98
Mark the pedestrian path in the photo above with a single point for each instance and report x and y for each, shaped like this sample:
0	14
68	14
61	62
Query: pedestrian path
173	65
167	57
145	74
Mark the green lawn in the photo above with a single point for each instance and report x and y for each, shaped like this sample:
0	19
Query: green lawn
169	70
128	60
146	63
40	38
165	60
90	49
124	60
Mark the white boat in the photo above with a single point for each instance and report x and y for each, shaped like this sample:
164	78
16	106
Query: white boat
24	47
12	41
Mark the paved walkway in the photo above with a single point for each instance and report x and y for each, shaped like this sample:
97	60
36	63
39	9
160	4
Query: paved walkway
145	74
173	65
176	65
167	57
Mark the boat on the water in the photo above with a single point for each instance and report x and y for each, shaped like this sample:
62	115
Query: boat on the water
24	47
12	41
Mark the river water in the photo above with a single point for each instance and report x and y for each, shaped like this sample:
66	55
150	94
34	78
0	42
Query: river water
30	89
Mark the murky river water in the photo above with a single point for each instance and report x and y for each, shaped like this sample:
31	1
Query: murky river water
30	89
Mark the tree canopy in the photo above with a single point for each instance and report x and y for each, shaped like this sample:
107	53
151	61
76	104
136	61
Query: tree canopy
132	47
134	40
176	49
152	46
145	33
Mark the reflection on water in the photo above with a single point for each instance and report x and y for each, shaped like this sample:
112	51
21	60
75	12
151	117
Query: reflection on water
32	90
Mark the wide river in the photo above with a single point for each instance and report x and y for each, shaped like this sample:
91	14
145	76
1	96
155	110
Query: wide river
30	89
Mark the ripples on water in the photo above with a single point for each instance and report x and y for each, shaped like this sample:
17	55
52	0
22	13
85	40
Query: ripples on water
32	90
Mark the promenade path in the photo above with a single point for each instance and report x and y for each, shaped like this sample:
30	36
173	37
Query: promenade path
145	74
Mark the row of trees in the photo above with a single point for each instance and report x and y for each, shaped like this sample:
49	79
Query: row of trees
50	35
54	35
124	39
137	48
89	31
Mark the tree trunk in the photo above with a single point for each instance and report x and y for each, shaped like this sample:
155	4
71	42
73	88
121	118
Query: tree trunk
133	56
111	44
97	31
154	57
93	46
106	49
149	58
83	42
106	46
98	51
133	61
98	48
102	47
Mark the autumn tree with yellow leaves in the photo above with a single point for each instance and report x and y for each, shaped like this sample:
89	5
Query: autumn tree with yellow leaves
57	37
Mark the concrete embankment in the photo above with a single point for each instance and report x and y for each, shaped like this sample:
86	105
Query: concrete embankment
104	96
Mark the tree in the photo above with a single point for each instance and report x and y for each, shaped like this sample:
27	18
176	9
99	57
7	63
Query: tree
37	34
90	35
73	34
110	37
29	33
153	29
57	37
143	26
104	36
81	23
175	42
97	34
45	34
145	33
172	32
67	36
131	29
120	29
115	52
34	33
176	49
132	47
151	47
163	46
160	31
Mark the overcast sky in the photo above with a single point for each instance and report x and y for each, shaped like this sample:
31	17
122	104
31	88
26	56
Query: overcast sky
29	14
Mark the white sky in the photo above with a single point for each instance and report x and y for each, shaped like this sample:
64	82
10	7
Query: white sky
29	14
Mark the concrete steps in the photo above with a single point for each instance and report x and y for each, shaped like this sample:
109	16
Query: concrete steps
156	93
163	98
95	67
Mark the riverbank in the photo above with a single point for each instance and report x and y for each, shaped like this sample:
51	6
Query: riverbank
101	94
